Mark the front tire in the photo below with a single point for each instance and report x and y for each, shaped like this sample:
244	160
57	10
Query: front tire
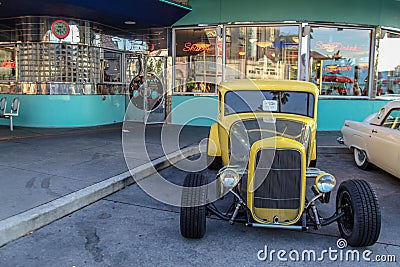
193	206
361	160
361	224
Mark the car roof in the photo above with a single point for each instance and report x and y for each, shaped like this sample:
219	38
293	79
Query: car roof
392	104
278	85
377	120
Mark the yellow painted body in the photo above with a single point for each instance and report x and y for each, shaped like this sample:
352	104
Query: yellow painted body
214	148
219	137
219	130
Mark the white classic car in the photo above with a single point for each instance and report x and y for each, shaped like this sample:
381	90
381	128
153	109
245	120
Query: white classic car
376	140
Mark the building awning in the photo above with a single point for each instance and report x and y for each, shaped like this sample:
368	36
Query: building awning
139	14
366	12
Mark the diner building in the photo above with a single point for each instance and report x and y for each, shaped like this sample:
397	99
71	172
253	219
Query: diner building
349	49
83	65
71	63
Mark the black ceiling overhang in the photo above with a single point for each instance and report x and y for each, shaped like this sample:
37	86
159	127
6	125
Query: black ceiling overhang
146	13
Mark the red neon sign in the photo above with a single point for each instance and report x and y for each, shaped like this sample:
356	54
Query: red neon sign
198	47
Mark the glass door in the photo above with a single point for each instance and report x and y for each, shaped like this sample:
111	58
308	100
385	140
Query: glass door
154	89
145	76
134	75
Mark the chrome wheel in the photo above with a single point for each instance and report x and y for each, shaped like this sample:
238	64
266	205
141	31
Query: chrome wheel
361	160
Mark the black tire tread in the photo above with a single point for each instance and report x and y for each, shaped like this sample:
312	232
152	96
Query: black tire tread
367	215
193	210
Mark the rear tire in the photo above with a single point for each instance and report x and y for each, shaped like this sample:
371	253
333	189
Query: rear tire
193	206
361	160
361	224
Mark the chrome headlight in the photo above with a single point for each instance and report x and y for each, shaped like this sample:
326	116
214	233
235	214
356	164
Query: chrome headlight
325	182
229	177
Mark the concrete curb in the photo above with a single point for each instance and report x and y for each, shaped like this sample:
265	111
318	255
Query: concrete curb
25	222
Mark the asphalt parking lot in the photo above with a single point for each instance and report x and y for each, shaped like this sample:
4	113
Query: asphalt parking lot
129	228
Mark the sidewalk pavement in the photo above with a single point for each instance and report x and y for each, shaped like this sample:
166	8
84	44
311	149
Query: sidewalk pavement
48	173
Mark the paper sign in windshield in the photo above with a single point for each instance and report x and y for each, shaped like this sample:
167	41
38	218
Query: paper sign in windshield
270	105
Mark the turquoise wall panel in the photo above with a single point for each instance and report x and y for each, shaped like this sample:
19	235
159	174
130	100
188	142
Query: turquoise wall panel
202	111
333	112
91	110
191	110
67	110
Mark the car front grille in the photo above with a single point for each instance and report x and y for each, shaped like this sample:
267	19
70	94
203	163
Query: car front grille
277	180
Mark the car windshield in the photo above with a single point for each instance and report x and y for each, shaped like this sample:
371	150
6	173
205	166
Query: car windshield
300	103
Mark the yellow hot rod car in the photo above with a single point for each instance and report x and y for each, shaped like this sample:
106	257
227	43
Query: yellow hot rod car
264	148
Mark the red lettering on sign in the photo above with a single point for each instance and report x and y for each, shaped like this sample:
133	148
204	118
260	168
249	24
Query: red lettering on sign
330	47
340	68
198	47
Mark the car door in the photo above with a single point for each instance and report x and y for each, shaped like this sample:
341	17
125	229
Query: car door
384	143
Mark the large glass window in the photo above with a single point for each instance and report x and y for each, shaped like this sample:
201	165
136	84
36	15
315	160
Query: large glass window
133	67
197	60
263	52
57	68
7	69
111	74
53	55
112	67
389	64
339	60
8	64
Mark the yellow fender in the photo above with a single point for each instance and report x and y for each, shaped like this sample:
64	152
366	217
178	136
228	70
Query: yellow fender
313	155
213	147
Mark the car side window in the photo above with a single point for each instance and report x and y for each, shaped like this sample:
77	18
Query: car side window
392	120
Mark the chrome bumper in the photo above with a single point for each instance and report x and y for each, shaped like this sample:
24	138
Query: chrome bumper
340	140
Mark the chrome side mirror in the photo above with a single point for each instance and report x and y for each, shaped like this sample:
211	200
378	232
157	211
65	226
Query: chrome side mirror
380	113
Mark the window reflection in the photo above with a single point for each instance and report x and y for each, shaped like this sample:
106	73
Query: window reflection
7	61
339	60
389	64
392	120
198	60
112	67
133	67
262	52
300	103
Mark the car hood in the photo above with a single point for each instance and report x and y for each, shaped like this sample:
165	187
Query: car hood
244	133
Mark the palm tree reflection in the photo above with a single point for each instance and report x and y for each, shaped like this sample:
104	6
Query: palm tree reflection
282	97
